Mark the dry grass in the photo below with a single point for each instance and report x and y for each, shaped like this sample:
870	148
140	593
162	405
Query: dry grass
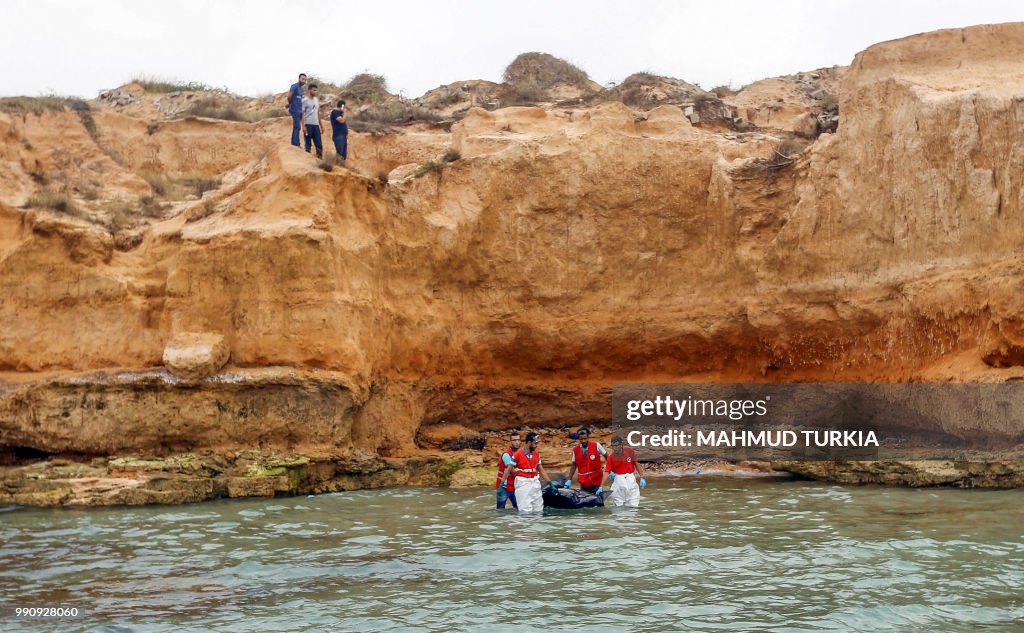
213	107
223	108
385	117
783	155
155	84
544	71
208	208
178	188
126	214
438	165
723	91
58	201
273	113
364	88
523	94
634	90
35	105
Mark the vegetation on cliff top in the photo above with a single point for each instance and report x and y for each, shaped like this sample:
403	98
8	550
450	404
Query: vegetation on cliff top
543	71
158	85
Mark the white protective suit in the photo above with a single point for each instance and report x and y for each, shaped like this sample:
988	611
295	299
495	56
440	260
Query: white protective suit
529	496
625	492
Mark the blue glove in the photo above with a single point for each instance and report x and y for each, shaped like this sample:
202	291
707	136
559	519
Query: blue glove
599	490
612	475
568	483
643	482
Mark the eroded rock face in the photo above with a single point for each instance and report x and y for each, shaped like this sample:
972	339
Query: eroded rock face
196	354
563	251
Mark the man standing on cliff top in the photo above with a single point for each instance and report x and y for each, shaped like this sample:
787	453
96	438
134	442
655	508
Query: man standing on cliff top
339	134
528	472
507	492
587	458
295	107
311	117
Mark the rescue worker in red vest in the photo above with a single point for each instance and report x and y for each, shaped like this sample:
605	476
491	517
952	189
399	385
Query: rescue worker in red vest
623	469
587	458
507	492
528	474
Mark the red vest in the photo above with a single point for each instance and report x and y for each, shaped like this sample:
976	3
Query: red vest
622	464
527	466
589	465
510	483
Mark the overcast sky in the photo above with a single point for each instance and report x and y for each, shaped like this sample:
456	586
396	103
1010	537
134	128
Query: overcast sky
257	46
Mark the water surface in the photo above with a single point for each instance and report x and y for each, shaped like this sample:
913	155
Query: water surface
702	554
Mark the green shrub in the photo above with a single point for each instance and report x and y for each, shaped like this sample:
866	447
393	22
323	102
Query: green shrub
448	468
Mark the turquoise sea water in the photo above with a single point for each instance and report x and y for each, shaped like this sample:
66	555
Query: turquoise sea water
701	554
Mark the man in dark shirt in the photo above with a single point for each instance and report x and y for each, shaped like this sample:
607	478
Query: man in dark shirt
295	107
339	131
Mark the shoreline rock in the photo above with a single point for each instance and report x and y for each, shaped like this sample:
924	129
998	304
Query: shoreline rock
912	473
193	477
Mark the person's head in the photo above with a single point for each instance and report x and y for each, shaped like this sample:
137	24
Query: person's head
312	90
341	106
617	444
532	440
302	79
513	437
583	435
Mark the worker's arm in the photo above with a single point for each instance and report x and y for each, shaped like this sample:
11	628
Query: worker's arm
340	118
543	473
607	472
504	476
572	469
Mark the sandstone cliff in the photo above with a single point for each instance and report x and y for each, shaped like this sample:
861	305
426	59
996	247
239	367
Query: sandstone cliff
555	251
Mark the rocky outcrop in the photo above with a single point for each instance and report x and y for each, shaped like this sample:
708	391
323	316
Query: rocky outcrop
192	477
195	354
554	252
915	474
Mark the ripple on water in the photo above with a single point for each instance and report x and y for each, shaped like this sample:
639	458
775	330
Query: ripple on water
715	554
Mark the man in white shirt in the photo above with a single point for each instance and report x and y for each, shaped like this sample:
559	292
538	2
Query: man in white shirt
311	118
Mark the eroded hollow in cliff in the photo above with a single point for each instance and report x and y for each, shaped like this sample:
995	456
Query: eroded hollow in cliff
18	455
